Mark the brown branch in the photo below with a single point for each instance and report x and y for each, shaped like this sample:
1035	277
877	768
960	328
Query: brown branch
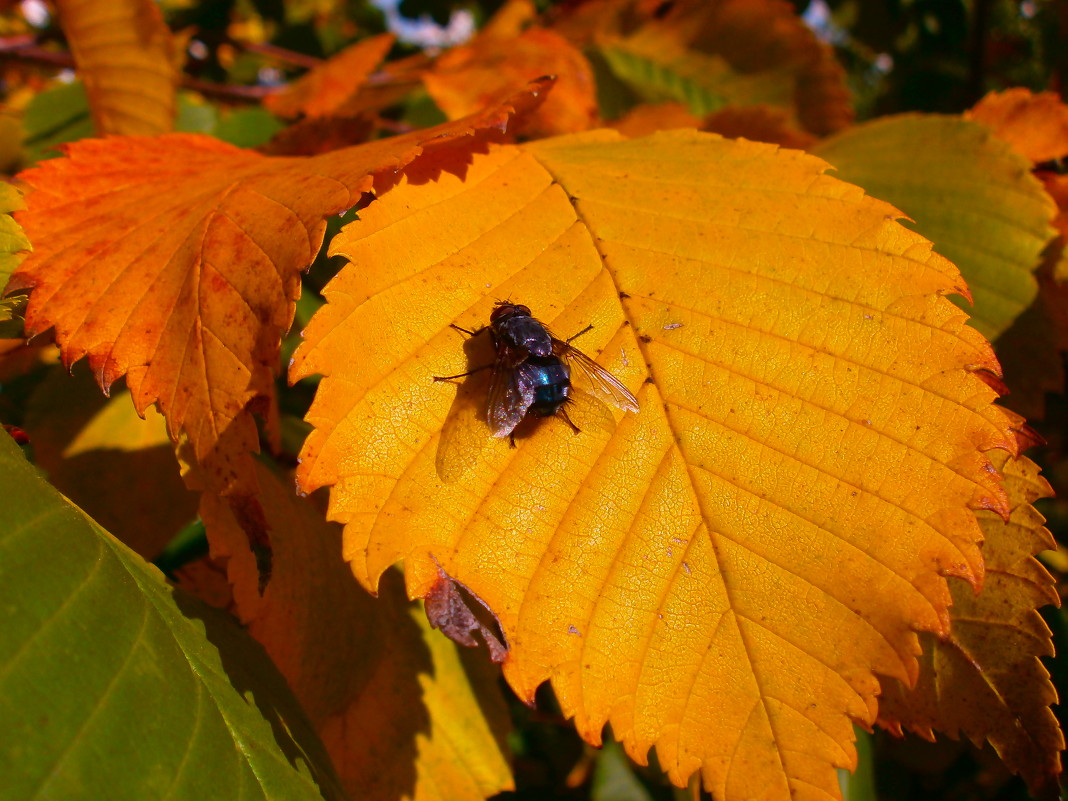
279	53
26	49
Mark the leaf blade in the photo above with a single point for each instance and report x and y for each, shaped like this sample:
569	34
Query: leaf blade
985	679
657	571
91	639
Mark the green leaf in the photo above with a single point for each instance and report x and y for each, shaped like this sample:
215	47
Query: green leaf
968	192
658	82
115	685
57	115
249	127
195	114
613	777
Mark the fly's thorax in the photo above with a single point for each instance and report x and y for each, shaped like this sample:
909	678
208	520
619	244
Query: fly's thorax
526	333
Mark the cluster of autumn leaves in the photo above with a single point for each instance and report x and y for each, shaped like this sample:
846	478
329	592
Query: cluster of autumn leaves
791	535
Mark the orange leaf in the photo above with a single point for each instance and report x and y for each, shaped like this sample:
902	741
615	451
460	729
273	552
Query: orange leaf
324	89
1036	125
394	705
648	118
759	123
720	574
176	262
125	57
985	678
467	77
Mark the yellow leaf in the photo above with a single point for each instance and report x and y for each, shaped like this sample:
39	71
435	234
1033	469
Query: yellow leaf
399	711
13	242
985	678
125	57
721	574
117	467
176	261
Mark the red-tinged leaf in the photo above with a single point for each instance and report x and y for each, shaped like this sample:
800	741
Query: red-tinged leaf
759	123
175	261
1031	349
984	679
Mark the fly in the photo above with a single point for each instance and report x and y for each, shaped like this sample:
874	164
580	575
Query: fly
531	371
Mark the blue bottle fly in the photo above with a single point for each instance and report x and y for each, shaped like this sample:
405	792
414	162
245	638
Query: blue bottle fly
532	371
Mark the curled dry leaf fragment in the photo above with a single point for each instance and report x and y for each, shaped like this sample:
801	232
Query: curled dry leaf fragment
449	610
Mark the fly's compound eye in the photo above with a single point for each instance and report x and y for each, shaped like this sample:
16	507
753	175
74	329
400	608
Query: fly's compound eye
501	310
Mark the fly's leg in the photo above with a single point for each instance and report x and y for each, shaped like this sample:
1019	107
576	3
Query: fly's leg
571	339
461	375
469	372
465	331
563	413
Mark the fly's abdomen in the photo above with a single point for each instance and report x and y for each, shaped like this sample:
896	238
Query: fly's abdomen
551	380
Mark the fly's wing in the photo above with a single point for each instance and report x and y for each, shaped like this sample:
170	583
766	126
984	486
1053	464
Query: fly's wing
510	395
588	414
599	382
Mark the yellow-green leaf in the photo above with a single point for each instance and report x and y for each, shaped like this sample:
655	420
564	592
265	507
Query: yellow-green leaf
13	241
968	191
720	575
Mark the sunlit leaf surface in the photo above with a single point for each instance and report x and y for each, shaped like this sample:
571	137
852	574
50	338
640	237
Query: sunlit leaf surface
468	77
324	89
721	574
1036	125
13	242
